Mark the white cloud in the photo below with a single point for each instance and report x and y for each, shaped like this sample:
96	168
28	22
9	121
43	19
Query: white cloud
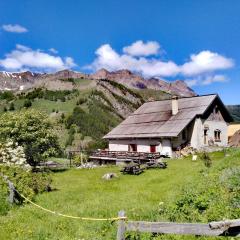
14	28
139	48
53	50
217	78
191	82
206	61
108	58
206	80
135	58
26	58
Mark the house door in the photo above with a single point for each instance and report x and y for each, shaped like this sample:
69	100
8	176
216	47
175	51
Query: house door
205	136
132	147
152	148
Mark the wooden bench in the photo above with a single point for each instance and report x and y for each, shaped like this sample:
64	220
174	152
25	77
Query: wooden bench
132	168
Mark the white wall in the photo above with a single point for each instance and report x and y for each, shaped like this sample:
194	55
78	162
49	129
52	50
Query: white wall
143	145
222	126
197	134
166	147
197	140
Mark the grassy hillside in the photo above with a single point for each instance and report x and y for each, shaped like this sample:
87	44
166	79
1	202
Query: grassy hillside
81	116
235	112
179	192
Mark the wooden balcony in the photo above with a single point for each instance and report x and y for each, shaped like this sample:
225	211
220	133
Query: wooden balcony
125	156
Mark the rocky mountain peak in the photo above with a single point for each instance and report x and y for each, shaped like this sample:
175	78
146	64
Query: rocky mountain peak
26	80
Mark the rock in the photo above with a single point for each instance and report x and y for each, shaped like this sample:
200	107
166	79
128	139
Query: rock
87	166
109	176
194	157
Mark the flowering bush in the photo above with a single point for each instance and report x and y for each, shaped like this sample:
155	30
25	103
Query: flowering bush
12	154
32	131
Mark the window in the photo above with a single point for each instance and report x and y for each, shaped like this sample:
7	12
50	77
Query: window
132	147
217	135
152	148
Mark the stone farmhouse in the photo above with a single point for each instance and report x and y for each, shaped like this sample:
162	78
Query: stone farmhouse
168	125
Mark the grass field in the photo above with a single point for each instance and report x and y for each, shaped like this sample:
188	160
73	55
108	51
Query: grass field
84	193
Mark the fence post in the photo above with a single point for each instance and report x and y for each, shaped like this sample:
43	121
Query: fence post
121	226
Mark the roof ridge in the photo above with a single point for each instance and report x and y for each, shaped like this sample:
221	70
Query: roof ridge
204	95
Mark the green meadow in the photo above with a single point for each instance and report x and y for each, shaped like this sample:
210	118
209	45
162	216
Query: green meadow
83	193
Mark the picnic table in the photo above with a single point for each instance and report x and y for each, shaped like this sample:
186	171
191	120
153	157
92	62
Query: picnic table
156	165
132	168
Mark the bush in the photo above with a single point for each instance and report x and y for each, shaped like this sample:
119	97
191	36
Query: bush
79	159
206	159
81	101
7	95
12	107
27	183
4	205
31	130
27	103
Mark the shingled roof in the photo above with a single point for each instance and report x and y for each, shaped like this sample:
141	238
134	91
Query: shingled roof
155	119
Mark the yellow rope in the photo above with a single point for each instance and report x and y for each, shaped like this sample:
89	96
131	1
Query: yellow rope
68	216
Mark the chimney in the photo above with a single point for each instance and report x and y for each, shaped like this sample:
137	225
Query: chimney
174	105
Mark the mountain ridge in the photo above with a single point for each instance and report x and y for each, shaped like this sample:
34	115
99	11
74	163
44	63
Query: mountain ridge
61	80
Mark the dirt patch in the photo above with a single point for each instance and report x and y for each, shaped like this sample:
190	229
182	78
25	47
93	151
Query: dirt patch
235	140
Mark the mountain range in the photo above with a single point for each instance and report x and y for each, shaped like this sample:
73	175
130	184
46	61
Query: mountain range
21	81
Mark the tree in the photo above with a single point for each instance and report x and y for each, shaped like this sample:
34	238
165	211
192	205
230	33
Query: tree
27	103
11	107
31	130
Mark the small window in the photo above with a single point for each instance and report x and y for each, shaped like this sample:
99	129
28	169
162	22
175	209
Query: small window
217	135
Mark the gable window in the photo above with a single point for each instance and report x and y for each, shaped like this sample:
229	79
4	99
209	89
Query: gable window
217	135
132	147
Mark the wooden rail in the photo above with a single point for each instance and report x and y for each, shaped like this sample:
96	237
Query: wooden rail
126	155
221	228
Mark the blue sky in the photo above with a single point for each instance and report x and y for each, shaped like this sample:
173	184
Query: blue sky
195	41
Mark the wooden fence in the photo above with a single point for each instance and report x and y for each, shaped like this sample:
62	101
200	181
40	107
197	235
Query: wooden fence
222	228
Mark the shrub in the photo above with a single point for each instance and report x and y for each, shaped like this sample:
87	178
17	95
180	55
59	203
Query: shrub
4	205
7	95
31	130
79	159
62	116
206	159
27	183
27	103
12	107
80	101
